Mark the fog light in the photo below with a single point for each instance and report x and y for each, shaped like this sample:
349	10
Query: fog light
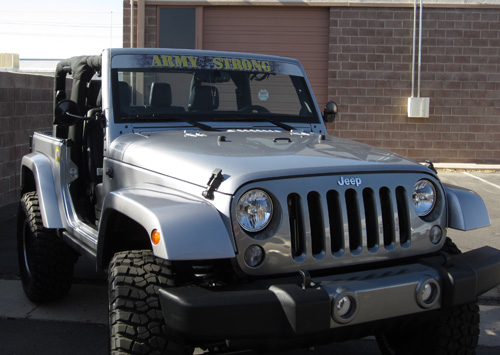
428	293
254	256
435	234
344	307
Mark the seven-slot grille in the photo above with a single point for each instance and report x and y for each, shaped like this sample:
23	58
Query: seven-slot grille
348	221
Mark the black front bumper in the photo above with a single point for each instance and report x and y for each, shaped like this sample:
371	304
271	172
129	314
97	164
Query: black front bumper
281	310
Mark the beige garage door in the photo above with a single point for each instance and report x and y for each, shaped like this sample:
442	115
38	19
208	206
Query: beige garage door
297	32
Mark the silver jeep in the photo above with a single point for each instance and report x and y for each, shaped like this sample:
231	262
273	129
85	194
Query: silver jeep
227	218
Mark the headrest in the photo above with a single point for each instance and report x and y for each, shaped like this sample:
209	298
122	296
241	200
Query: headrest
160	94
124	92
204	98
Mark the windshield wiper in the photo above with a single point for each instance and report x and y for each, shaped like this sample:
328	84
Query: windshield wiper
279	124
154	117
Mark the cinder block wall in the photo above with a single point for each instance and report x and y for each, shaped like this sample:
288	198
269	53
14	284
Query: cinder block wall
370	78
25	107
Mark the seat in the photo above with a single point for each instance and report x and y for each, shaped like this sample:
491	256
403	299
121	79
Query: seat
204	98
93	93
124	94
160	95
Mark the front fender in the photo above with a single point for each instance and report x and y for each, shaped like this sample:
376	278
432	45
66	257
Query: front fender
40	167
190	229
466	209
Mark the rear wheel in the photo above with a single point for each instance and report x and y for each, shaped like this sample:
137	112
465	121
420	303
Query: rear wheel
45	261
135	316
454	332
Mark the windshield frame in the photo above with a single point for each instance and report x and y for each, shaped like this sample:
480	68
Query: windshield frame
250	64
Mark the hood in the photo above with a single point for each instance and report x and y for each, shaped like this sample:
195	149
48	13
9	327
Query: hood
249	155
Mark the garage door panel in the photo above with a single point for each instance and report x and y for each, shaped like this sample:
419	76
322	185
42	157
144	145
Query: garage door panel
297	32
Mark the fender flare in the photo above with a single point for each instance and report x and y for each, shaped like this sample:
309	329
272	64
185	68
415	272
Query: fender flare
41	169
466	209
190	228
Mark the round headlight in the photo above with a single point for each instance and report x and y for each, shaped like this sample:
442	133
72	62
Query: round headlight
424	197
254	210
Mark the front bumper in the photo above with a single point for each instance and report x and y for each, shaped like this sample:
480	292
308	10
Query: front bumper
281	309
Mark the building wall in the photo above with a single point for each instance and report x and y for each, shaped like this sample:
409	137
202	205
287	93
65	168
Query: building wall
369	74
25	107
370	78
300	33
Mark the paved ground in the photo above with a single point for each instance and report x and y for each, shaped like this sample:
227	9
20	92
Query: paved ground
78	324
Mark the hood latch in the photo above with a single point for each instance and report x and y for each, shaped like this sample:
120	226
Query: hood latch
213	184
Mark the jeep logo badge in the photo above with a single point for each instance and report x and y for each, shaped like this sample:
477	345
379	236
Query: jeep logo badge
346	181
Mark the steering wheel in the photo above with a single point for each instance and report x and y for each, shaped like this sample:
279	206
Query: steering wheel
254	108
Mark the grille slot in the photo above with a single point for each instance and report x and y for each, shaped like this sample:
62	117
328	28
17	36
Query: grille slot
371	219
351	221
297	232
387	217
316	223
336	220
404	216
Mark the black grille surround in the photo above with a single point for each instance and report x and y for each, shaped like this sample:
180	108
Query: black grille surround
333	221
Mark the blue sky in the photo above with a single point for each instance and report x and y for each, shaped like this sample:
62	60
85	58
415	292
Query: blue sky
58	29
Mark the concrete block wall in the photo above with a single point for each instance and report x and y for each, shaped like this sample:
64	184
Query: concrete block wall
370	78
25	107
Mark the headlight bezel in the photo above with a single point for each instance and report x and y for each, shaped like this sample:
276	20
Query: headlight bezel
434	211
240	205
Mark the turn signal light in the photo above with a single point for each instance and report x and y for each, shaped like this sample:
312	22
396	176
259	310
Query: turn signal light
155	236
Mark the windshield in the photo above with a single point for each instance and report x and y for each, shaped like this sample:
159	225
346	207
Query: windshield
195	88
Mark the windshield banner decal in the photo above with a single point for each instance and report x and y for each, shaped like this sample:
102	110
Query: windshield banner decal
218	63
190	61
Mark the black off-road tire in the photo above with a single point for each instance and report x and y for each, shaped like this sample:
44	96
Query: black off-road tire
135	316
45	261
454	332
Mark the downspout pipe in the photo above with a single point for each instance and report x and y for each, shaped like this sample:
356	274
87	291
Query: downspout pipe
419	49
413	49
132	23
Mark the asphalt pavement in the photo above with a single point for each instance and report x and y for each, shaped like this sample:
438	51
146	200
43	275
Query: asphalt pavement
78	324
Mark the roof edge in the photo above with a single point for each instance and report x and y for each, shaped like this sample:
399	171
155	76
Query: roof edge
331	3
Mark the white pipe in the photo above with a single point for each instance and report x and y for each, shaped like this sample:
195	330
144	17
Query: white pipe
413	49
132	23
419	48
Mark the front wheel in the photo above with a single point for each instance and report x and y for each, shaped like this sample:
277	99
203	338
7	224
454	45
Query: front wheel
454	332
45	261
135	316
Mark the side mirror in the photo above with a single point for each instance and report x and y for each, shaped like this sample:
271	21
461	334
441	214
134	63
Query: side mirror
330	111
66	113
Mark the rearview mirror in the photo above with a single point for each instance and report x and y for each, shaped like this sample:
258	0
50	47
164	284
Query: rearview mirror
330	111
66	113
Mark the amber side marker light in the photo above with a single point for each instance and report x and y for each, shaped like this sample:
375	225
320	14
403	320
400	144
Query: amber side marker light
155	236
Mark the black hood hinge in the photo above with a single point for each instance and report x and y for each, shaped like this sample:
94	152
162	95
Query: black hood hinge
213	184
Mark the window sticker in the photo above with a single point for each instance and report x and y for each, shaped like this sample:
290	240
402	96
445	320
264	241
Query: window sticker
218	63
263	95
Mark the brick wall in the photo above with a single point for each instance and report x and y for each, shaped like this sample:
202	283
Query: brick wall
25	107
370	78
150	35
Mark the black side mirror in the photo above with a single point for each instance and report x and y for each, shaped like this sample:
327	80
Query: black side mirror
66	113
330	111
